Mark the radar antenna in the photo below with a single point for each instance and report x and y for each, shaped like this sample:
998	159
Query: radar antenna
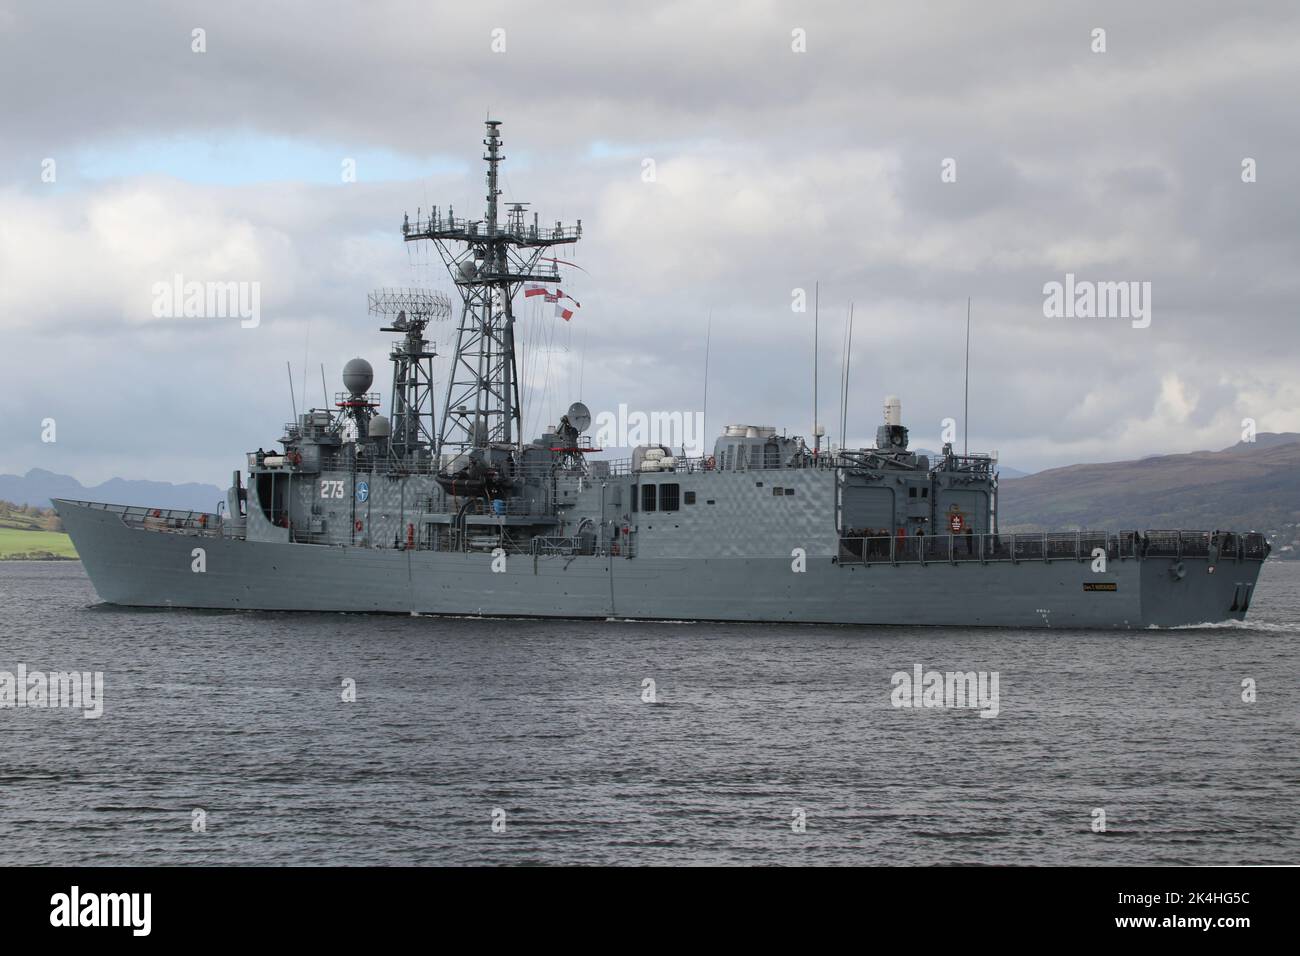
412	358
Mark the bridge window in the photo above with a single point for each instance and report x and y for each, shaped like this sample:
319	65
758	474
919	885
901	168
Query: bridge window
648	497
669	497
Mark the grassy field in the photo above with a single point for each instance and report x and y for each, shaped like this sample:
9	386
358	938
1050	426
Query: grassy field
19	544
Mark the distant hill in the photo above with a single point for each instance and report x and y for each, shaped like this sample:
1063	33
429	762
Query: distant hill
1266	440
1248	487
38	486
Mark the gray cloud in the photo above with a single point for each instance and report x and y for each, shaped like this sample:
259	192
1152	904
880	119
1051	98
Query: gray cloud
775	170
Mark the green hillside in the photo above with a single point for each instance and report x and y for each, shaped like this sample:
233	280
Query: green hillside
18	545
32	534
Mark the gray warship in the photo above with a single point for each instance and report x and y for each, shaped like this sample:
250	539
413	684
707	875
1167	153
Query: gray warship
458	514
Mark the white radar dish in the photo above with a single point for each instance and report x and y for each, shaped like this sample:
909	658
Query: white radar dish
579	416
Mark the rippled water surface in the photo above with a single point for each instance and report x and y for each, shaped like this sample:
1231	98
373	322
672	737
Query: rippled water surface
240	714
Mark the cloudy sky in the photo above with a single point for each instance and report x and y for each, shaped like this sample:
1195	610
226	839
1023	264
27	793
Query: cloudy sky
127	158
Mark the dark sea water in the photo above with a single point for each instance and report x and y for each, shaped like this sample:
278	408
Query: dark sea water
240	714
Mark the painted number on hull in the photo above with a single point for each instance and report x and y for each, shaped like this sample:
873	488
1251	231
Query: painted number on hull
331	489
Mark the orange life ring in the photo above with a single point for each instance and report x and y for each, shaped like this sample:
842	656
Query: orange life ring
359	525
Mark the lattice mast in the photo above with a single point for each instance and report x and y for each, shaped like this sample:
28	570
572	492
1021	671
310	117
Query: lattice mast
413	426
488	261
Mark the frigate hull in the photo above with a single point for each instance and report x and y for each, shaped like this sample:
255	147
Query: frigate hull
462	515
139	566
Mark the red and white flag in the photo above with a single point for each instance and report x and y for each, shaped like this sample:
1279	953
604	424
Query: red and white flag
564	313
534	288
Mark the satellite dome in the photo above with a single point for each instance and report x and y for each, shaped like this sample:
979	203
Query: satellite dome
379	427
357	376
466	270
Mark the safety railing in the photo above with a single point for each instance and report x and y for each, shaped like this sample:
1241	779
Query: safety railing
1199	544
371	465
1056	546
865	459
1162	544
1253	547
454	226
162	519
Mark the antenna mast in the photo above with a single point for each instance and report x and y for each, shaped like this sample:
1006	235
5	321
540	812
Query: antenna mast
965	412
844	393
817	431
288	367
488	261
708	338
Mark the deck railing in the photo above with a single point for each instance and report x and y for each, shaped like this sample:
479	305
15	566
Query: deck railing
1059	546
163	519
865	459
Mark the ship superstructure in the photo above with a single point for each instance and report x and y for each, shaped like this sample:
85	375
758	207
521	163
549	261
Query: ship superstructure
450	510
